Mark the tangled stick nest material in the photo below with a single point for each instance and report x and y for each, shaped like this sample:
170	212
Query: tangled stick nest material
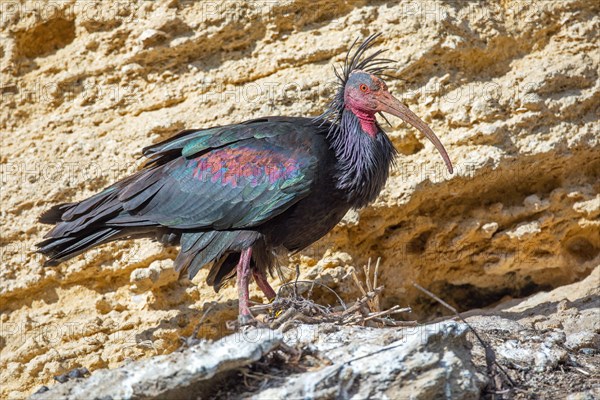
294	308
286	311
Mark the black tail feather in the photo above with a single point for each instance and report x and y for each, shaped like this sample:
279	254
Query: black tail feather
80	226
54	215
223	270
63	248
200	248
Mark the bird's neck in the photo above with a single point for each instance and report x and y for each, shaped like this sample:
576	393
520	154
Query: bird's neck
364	156
367	122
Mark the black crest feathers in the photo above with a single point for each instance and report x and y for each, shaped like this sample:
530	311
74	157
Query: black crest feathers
371	63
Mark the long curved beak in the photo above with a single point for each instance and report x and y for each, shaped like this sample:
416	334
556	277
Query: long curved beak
391	105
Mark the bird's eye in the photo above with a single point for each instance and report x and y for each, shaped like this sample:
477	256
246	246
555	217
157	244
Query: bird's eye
363	88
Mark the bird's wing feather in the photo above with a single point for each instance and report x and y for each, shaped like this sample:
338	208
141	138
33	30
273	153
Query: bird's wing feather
192	141
223	178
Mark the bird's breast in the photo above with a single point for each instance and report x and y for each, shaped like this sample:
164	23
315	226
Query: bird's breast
308	220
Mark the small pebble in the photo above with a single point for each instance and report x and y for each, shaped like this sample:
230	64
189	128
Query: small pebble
42	389
73	374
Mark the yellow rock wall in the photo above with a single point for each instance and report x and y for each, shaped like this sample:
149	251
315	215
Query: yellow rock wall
511	88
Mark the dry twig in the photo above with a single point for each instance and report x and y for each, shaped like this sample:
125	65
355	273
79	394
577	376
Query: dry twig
287	311
188	341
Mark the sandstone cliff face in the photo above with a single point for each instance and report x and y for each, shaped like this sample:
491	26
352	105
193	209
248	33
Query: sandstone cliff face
511	88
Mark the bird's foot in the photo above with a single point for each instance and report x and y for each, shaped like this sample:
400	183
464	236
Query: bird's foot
243	320
246	319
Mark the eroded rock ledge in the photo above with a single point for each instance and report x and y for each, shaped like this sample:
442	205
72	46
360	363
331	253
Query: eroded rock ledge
511	87
539	342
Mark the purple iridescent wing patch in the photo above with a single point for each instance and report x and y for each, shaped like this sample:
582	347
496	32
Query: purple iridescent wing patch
248	164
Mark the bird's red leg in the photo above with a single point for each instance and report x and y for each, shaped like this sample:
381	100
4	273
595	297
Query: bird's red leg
243	280
261	280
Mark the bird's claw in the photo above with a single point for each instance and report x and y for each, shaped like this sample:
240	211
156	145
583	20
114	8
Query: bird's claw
246	319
